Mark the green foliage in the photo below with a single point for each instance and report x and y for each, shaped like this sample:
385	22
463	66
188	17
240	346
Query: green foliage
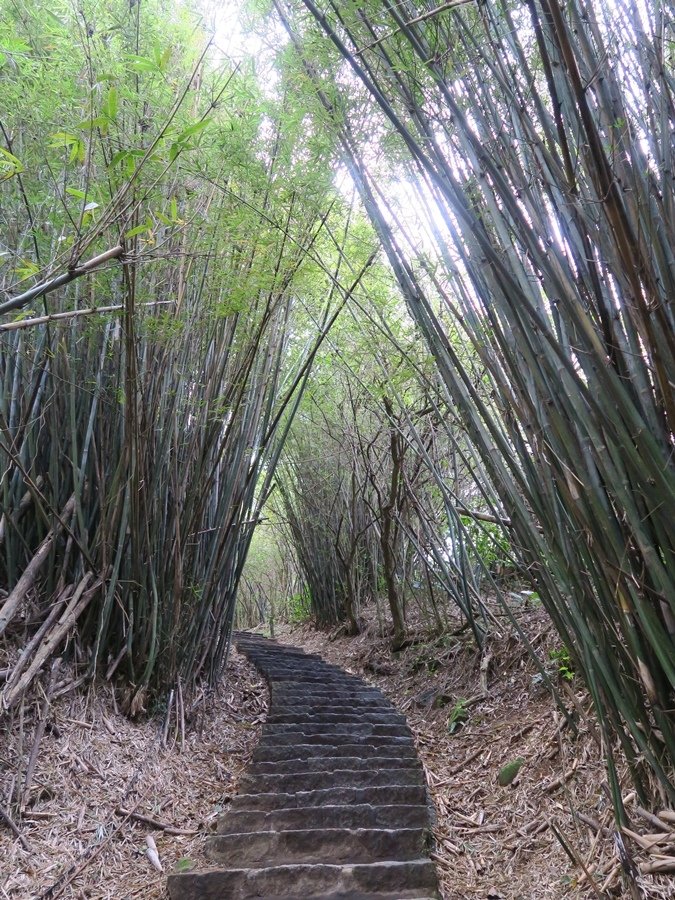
508	772
300	607
561	656
459	715
490	541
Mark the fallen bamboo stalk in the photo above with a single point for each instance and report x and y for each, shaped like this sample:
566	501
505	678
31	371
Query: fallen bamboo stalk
156	823
658	866
30	573
67	619
27	652
7	819
652	819
39	732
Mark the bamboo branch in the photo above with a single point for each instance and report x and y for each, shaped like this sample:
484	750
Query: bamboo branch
421	18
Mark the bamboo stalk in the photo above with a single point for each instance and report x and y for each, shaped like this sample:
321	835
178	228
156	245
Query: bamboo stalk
30	573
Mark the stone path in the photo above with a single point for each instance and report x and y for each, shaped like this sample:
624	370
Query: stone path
333	804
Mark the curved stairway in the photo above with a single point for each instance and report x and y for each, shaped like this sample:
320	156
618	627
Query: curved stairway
333	804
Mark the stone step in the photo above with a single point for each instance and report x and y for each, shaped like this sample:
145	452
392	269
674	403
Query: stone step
327	696
399	895
306	880
318	692
300	663
318	708
350	729
309	751
404	895
342	796
328	816
334	737
344	718
339	845
315	679
331	763
254	782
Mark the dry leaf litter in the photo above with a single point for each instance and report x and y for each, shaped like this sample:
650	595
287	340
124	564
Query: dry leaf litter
111	811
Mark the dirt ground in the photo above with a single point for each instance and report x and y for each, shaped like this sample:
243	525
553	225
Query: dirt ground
98	772
471	715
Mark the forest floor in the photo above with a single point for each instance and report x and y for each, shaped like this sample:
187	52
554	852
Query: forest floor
99	775
96	766
472	714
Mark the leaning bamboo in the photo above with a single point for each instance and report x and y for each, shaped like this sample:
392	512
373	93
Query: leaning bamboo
78	603
32	570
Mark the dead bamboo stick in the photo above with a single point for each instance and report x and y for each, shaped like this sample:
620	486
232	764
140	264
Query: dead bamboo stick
68	618
39	732
30	573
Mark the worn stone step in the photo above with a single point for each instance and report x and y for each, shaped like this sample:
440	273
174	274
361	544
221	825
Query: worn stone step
309	751
334	737
311	679
343	796
328	703
254	782
363	708
293	662
328	816
291	691
305	881
331	763
328	729
339	845
404	895
345	718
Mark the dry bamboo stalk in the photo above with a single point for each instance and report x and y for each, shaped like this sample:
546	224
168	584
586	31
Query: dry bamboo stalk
155	823
51	284
68	618
27	652
165	729
39	732
182	715
30	573
7	819
658	866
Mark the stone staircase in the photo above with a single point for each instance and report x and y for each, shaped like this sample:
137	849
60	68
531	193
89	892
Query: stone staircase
333	804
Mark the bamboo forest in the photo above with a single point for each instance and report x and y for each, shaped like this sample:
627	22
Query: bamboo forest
337	455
